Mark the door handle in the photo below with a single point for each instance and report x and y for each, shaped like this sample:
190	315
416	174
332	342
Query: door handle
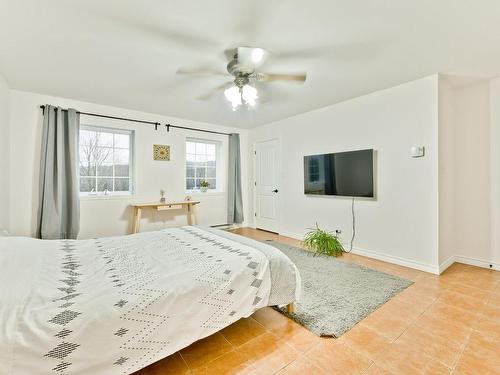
275	190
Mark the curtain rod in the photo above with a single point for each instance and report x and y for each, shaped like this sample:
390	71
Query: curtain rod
156	124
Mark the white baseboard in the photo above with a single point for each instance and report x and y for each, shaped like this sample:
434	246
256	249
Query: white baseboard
383	257
292	235
477	262
448	262
397	260
437	270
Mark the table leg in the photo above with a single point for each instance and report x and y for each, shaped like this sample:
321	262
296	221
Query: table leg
192	218
137	220
190	214
193	212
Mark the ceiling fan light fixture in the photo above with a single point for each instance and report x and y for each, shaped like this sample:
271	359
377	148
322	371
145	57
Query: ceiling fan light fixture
243	66
257	55
237	96
250	95
233	95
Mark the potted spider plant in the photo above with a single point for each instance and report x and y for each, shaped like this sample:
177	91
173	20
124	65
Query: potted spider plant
323	242
204	185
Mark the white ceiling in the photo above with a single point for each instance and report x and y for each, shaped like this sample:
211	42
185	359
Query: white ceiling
125	53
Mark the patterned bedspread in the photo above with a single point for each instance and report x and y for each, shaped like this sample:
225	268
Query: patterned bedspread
114	305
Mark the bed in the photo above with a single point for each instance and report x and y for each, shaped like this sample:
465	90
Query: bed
115	305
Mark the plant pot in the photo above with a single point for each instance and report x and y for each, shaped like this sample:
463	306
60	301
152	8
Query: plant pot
203	189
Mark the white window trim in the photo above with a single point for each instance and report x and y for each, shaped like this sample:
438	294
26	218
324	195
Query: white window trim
219	176
112	194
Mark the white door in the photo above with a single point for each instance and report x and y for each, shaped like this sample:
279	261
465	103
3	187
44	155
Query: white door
266	185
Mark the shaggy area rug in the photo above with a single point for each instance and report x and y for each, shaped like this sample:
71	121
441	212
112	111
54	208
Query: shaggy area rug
335	294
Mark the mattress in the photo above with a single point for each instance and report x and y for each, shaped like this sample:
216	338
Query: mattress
115	305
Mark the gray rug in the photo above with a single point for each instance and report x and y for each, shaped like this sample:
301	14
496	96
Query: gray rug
336	295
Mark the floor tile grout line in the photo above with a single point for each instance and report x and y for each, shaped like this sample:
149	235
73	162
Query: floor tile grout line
183	360
267	330
259	323
213	359
286	365
225	338
412	323
252	363
374	364
338	343
466	342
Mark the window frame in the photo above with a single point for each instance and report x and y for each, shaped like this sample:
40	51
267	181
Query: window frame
219	177
131	158
314	170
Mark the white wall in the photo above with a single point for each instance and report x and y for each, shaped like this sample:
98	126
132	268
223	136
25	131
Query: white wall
495	170
446	173
472	171
4	153
111	216
401	225
469	179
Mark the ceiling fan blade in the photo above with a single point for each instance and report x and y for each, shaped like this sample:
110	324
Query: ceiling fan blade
202	72
267	77
215	91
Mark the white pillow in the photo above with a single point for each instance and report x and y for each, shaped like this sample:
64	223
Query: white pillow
4	233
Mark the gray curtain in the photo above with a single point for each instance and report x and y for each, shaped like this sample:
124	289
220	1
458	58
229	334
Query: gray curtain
59	202
235	200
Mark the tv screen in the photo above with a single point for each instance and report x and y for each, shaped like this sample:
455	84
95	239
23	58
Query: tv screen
343	173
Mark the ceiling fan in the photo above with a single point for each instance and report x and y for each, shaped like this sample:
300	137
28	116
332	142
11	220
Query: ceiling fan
243	64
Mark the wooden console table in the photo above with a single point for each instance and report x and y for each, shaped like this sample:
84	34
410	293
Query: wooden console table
159	206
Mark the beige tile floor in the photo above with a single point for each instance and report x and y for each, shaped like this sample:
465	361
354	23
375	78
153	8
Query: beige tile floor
440	325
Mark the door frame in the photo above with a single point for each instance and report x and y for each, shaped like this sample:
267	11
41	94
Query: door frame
254	182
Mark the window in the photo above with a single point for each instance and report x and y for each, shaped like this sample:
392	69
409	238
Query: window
202	164
313	170
105	161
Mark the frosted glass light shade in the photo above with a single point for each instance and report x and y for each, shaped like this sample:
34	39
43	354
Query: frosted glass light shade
249	94
237	96
234	96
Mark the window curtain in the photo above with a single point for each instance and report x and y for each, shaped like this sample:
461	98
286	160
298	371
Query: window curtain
235	200
59	202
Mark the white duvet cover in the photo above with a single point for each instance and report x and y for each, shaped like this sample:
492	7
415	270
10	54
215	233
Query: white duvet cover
114	305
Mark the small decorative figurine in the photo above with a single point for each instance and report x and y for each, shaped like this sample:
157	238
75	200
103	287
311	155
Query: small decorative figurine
162	195
188	198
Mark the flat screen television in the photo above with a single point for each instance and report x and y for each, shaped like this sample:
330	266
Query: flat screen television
342	174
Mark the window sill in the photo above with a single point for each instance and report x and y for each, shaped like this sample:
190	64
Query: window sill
198	193
106	197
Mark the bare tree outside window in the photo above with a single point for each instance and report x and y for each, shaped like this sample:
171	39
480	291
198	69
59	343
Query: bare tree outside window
104	160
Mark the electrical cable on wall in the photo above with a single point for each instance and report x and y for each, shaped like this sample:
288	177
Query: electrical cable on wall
353	226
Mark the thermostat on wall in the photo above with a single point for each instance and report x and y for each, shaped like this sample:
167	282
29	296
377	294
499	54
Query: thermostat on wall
417	151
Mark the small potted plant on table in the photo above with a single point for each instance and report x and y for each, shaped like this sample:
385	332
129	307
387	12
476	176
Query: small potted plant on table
323	242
